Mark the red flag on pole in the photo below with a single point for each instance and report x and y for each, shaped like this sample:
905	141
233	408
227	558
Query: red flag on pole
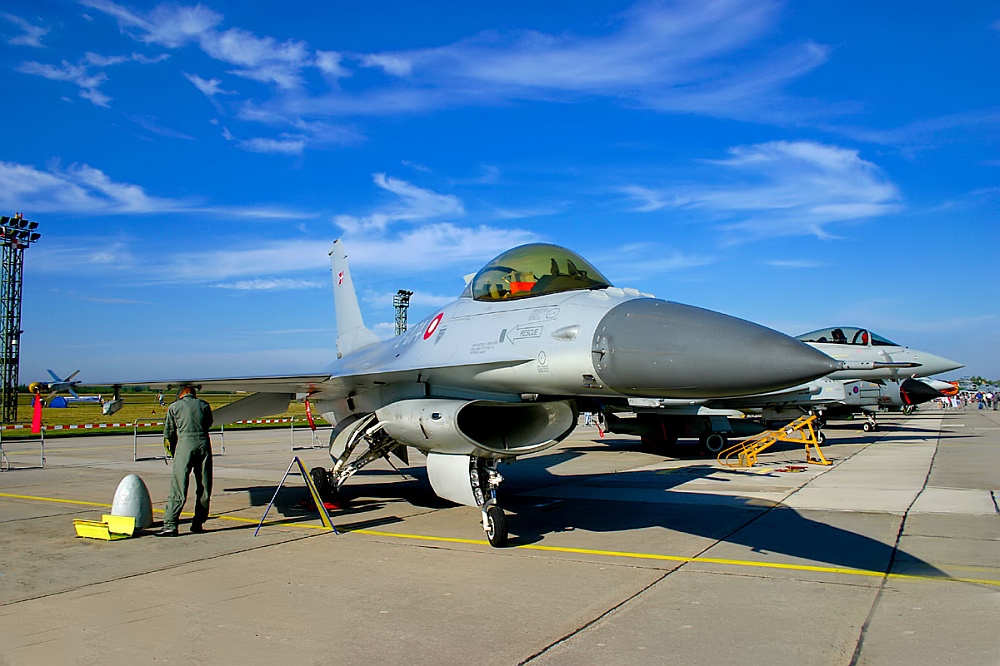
36	417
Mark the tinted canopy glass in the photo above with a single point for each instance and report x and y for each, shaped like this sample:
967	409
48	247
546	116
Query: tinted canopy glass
847	335
534	270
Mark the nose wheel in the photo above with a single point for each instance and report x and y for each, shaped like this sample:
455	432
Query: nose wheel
495	525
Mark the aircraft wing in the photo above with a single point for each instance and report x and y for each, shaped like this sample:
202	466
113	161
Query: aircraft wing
270	384
271	394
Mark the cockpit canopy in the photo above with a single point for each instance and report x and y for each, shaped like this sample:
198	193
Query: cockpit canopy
845	335
534	270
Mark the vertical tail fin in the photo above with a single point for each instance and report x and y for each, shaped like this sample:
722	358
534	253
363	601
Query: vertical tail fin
351	331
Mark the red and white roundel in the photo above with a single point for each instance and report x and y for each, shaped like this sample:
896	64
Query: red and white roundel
433	326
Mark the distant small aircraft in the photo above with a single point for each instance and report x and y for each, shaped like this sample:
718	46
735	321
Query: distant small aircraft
56	386
501	372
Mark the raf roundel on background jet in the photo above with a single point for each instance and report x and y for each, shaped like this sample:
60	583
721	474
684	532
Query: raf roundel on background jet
499	373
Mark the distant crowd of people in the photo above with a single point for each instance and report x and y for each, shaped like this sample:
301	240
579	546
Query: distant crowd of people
979	399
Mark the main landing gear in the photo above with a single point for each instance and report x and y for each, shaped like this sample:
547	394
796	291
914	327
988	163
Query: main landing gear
494	519
871	425
463	479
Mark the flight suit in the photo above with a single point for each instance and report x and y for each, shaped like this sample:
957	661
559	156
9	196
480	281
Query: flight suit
186	428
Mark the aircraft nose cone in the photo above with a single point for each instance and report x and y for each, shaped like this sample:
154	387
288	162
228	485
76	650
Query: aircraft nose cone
916	392
930	364
657	348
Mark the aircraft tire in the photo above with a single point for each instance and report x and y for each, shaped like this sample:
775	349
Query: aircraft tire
320	479
821	437
496	526
869	427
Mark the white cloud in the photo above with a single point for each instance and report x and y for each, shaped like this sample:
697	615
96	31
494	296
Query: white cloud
267	259
263	59
431	246
78	74
208	87
32	34
260	59
82	73
674	57
82	256
270	284
285	144
330	63
670	57
84	190
414	204
267	265
397	65
78	188
783	189
634	262
168	25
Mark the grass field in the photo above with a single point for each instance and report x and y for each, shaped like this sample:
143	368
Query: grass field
142	407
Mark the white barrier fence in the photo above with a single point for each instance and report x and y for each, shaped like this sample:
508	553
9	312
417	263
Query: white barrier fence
316	437
5	464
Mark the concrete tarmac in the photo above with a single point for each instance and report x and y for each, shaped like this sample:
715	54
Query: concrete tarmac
618	556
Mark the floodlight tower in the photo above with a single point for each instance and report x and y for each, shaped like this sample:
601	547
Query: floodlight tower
16	234
401	301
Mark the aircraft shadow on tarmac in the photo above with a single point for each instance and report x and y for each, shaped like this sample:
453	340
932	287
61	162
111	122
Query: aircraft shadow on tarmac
531	498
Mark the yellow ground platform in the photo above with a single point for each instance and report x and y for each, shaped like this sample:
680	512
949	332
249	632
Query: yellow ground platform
108	528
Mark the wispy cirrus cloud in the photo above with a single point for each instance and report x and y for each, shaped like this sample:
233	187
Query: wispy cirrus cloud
85	190
927	132
284	264
671	57
32	33
84	73
687	56
262	59
413	204
781	188
208	87
269	284
632	263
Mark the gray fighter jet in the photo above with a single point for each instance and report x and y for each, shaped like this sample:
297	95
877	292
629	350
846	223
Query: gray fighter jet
501	372
870	356
876	374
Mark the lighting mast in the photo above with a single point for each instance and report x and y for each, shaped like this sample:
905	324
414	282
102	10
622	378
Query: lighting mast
16	234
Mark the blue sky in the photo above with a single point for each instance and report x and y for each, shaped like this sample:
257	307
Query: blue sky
797	164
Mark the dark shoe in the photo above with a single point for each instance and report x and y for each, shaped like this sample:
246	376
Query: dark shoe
166	532
196	528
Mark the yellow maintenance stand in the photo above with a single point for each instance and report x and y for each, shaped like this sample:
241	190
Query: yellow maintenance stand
744	453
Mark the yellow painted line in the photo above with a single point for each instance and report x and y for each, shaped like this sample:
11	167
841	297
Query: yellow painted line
579	551
54	499
421	537
103	505
694	560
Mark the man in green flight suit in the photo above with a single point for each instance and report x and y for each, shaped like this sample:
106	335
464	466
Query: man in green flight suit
186	430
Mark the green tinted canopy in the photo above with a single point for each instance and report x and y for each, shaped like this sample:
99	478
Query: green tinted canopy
534	270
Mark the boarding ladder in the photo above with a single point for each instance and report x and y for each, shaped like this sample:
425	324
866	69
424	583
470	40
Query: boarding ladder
801	430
